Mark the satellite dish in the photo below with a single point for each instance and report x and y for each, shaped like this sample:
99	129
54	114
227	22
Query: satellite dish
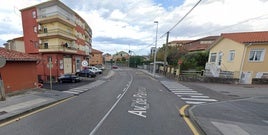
2	62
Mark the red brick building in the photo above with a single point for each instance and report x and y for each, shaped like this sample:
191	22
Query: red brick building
19	72
56	33
96	57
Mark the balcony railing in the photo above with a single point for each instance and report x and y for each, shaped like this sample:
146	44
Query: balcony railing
58	48
53	33
56	16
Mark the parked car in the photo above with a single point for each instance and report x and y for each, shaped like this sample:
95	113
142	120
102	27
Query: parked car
114	67
86	73
68	78
98	71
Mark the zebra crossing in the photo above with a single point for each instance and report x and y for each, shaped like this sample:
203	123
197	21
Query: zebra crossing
188	95
84	88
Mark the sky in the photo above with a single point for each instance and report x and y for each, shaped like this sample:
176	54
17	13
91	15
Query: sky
123	25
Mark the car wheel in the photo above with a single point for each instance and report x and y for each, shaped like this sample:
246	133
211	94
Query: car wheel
60	81
73	81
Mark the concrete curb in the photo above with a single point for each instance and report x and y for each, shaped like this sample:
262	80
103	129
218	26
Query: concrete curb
194	120
32	109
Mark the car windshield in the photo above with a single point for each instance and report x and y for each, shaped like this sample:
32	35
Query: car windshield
134	67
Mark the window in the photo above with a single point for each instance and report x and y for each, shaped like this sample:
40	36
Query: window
45	45
231	55
45	30
256	55
213	57
34	14
49	58
35	29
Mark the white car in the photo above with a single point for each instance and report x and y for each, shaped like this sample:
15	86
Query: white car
98	71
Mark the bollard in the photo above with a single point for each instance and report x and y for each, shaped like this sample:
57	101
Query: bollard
2	91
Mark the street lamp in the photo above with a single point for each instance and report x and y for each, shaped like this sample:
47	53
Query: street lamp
155	47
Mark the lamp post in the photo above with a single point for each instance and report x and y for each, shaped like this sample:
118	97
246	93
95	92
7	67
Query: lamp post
155	46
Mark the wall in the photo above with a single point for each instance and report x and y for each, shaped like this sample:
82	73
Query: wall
224	46
28	24
19	76
255	67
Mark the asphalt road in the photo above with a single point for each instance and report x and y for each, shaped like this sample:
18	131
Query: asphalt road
130	102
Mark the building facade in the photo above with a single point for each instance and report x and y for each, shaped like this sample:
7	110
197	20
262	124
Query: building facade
19	72
239	55
58	35
96	57
16	44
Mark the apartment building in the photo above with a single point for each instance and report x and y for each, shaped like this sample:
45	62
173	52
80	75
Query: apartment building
96	57
58	35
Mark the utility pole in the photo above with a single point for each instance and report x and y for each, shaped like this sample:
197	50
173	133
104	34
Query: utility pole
155	50
165	55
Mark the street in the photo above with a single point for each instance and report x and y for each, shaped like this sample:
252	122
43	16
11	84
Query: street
130	102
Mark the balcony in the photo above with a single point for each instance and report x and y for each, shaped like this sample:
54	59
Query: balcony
56	17
57	48
57	33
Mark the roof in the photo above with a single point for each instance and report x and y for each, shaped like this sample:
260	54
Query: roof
201	44
95	51
11	55
248	37
180	41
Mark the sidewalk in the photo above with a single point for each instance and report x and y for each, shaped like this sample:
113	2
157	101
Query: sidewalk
245	116
28	101
33	99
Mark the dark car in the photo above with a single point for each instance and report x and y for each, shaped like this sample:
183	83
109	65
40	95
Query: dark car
86	73
68	78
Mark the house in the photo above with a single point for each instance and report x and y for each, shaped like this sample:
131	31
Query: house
241	56
19	72
179	43
121	56
107	57
96	57
16	44
58	35
201	44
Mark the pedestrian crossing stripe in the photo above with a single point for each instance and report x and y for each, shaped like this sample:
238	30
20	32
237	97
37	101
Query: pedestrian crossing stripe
179	93
194	102
199	99
72	92
75	90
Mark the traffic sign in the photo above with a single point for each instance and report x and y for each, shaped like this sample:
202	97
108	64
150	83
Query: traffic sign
84	63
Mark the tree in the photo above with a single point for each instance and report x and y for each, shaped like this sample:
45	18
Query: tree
196	61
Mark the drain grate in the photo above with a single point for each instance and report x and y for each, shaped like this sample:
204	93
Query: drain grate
3	112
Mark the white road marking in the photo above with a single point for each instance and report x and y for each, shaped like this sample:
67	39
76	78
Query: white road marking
118	96
111	109
229	129
199	99
194	102
72	92
178	93
76	90
192	91
200	96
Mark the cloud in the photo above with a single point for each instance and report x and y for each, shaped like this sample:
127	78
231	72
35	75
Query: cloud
118	25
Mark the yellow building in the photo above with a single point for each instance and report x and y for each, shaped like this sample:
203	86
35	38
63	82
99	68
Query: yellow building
239	55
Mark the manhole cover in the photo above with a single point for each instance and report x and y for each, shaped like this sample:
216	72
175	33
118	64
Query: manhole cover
3	112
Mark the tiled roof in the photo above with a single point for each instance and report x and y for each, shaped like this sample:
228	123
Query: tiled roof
248	37
11	55
95	51
200	44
